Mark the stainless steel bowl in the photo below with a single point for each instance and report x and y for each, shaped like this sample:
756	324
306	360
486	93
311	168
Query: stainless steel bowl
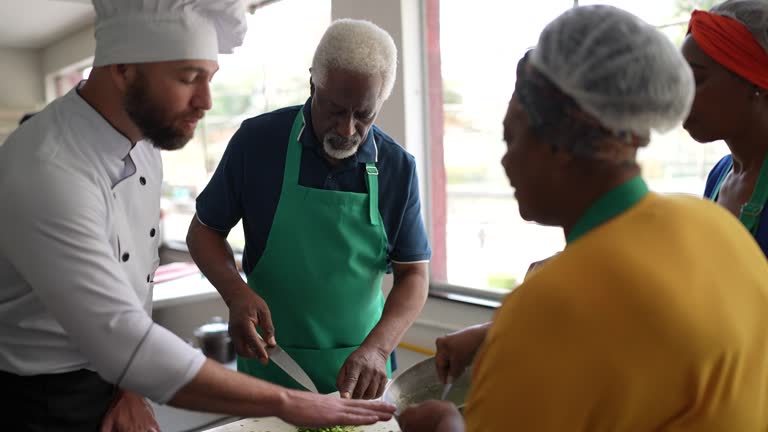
420	383
213	338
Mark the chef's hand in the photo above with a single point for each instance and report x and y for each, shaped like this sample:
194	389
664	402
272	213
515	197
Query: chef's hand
455	351
315	410
248	311
432	416
129	413
364	374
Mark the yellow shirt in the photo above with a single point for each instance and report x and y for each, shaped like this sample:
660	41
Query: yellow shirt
654	320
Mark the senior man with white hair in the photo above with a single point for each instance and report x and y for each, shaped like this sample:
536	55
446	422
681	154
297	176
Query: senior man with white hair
655	316
80	186
329	203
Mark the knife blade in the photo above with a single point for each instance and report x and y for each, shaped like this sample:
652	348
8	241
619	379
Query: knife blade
289	365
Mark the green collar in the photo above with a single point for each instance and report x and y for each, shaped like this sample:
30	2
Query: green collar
610	205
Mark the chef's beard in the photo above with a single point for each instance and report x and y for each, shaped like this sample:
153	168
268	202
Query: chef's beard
339	147
151	118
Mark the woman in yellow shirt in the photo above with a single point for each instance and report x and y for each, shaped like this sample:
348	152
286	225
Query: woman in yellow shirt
655	316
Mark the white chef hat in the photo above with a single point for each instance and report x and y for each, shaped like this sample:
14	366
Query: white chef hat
142	31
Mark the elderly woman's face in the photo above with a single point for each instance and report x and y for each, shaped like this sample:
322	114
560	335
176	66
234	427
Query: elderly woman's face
531	167
723	101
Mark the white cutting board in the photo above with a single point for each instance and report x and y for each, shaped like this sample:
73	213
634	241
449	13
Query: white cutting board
274	424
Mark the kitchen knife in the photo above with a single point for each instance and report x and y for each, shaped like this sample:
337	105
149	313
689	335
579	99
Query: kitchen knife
289	365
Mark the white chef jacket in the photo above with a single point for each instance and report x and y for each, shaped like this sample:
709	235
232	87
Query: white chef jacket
78	250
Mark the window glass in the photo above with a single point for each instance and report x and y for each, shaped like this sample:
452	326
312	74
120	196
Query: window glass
488	245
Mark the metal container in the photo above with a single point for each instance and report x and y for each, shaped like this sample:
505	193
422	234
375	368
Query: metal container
420	383
213	338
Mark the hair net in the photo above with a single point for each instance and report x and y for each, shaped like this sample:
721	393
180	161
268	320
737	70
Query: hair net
753	14
617	68
557	119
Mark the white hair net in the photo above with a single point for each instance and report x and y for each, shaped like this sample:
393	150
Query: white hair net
617	68
753	14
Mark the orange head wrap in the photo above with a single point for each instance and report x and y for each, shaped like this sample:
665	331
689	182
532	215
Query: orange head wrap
730	44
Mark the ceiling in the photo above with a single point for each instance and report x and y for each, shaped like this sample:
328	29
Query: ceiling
35	24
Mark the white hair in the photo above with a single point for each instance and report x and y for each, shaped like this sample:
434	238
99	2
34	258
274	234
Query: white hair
359	46
753	14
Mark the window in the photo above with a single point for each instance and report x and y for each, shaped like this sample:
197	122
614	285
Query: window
487	246
269	71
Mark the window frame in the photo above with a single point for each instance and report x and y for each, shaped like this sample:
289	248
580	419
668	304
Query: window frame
435	211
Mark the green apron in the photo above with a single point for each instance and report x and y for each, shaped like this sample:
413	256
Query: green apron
749	215
320	273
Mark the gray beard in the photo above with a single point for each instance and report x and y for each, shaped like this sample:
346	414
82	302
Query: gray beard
337	153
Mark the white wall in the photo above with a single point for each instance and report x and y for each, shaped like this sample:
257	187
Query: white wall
21	87
391	118
402	116
27	85
70	50
25	71
22	83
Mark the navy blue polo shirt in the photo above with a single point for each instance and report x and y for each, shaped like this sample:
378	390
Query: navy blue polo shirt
248	181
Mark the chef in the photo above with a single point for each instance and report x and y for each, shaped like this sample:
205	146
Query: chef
80	186
329	203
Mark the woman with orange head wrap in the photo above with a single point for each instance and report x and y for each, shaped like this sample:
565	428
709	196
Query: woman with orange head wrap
727	48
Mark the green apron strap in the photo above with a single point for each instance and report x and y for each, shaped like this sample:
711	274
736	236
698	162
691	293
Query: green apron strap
751	211
293	153
373	192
